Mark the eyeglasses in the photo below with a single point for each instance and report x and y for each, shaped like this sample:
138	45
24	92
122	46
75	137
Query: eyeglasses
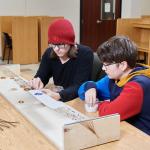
109	64
59	46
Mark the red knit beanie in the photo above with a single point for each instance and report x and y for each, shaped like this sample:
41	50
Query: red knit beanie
61	32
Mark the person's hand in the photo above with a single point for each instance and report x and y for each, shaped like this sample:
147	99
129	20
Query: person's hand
36	83
52	94
90	97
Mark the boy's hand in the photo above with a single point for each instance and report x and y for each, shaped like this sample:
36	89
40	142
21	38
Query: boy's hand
90	97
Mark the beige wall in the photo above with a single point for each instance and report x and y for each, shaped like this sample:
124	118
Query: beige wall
135	8
68	8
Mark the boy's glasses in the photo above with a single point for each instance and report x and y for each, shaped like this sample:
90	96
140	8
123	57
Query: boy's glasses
59	46
109	64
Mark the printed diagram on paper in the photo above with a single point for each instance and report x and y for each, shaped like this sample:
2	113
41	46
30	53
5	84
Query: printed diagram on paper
47	114
60	123
13	83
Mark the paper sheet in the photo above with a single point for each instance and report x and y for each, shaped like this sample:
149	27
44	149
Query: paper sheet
46	100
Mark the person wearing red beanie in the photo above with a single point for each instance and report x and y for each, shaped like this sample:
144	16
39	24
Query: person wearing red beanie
69	64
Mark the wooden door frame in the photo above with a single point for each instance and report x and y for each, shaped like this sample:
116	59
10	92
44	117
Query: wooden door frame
118	14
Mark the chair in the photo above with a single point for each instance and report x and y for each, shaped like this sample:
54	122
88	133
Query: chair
97	72
7	45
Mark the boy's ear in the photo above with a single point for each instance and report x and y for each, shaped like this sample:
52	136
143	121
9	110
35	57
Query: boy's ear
123	65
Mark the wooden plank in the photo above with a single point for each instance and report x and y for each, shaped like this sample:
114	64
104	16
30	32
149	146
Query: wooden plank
25	40
137	30
124	27
140	25
6	24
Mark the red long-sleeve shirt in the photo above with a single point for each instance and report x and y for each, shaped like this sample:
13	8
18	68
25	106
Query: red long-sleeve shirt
127	104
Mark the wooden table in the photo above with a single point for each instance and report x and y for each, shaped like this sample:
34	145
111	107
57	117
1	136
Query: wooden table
22	137
131	137
25	136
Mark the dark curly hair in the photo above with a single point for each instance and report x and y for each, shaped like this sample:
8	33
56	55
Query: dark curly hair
118	49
